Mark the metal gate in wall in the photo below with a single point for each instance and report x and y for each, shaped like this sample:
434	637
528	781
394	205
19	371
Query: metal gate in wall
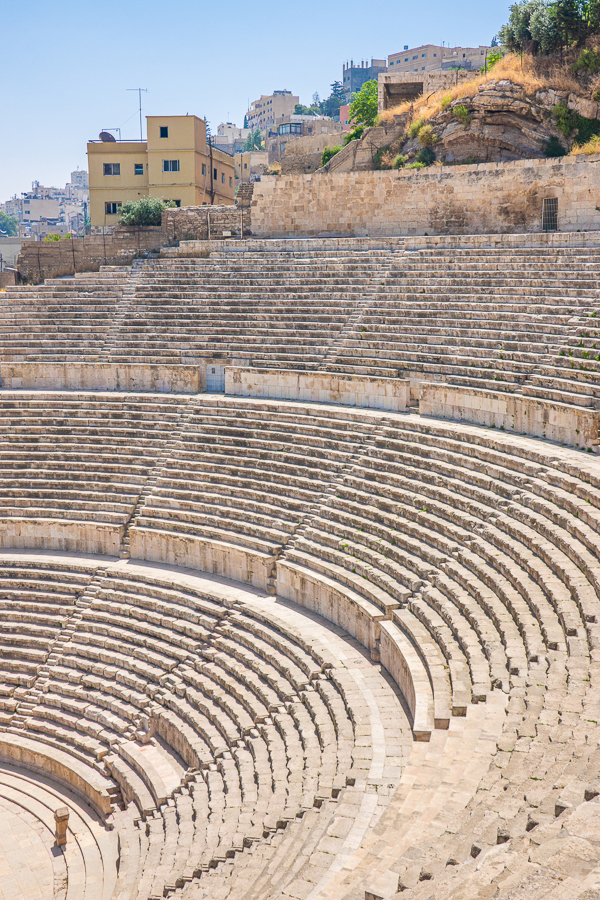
215	379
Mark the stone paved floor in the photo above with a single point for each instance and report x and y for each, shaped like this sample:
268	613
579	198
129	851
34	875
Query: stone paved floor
26	870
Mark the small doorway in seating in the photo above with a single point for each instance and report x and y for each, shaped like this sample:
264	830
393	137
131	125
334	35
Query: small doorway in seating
215	379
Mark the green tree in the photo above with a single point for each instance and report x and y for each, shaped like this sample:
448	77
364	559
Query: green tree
331	106
147	211
363	109
9	225
254	141
531	20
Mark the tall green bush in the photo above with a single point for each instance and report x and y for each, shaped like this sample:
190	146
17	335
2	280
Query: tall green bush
147	211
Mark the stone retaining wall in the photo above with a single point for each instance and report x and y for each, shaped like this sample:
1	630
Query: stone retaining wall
525	415
318	387
42	376
52	259
488	198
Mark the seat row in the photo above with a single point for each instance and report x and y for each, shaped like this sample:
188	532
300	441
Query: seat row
219	727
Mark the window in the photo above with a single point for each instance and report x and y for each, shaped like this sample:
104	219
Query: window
422	68
435	54
230	182
138	168
170	165
550	214
203	169
423	54
291	128
177	203
111	209
245	165
222	178
416	57
112	168
406	60
392	63
164	131
215	174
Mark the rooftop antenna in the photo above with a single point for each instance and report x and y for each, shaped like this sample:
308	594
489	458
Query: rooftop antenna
139	90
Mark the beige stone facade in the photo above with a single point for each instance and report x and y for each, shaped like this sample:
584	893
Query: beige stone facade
270	109
477	199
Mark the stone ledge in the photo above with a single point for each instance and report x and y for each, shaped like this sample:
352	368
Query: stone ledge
318	387
55	763
99	376
571	425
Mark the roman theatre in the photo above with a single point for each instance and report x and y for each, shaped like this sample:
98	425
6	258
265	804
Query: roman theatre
300	582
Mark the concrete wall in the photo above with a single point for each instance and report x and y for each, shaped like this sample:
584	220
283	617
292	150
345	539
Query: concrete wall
318	387
489	198
525	415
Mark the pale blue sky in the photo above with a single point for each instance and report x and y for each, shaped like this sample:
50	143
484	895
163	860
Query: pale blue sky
67	65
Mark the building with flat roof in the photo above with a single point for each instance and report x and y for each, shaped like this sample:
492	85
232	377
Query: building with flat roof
175	162
353	77
433	58
270	109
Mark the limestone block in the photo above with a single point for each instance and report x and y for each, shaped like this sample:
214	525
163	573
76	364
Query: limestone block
526	415
321	387
216	557
103	377
330	599
401	660
47	760
58	534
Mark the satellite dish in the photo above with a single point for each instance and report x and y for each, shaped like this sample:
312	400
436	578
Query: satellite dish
107	137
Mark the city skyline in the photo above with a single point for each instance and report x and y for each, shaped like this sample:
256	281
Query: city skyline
48	119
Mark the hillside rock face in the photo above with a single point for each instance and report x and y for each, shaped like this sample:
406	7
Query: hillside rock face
505	124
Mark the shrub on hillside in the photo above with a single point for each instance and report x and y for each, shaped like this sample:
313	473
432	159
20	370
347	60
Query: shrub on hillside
328	153
427	136
568	121
591	146
426	156
399	161
553	147
354	135
588	61
147	211
462	114
415	128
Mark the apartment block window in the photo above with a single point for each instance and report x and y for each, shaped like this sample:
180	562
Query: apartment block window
164	131
111	209
170	165
223	178
231	182
416	57
245	165
203	169
112	168
177	203
435	54
138	168
423	54
215	176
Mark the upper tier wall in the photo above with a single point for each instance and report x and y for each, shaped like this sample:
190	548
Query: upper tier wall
492	198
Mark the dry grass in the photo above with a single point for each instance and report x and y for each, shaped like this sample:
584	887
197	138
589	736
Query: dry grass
531	74
592	146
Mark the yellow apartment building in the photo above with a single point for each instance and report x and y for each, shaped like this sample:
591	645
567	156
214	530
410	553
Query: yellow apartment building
175	162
